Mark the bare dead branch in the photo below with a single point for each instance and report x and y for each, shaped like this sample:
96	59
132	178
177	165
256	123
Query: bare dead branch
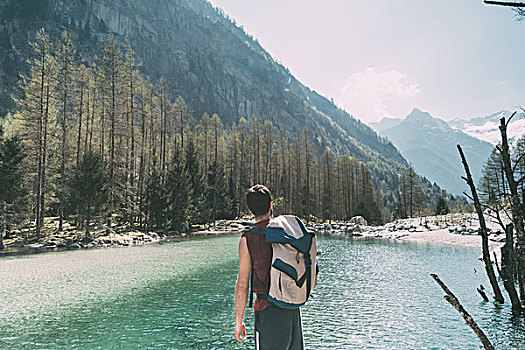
517	162
497	217
482	230
512	115
451	298
507	213
496	210
504	3
468	195
500	221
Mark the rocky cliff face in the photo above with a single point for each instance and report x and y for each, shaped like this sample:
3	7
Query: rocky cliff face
209	60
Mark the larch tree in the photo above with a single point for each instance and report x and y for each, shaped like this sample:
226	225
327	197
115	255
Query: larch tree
65	56
34	116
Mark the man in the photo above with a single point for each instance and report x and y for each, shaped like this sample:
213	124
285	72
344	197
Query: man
275	328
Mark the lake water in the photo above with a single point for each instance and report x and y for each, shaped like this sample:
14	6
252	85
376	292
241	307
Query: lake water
372	294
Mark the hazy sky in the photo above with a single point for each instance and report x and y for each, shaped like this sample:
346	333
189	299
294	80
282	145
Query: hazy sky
452	58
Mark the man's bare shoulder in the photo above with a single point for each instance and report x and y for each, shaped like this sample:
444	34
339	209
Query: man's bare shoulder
243	246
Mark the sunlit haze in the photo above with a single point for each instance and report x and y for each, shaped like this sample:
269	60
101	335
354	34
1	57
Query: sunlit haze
383	58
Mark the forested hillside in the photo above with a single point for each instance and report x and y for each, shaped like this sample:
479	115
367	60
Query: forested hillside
95	140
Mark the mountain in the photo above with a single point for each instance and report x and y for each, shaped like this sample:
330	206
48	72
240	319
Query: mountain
385	123
430	145
487	128
209	60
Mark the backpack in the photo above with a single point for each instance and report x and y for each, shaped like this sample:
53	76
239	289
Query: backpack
292	276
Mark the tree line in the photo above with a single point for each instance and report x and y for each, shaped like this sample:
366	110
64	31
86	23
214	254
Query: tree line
99	141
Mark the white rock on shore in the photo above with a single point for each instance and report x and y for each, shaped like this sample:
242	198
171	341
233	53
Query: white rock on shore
457	229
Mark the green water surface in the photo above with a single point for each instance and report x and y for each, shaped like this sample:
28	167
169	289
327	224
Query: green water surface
180	295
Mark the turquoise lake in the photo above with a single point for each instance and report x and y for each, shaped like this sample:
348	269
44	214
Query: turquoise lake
372	294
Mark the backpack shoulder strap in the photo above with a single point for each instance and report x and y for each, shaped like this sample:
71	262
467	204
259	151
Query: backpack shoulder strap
256	230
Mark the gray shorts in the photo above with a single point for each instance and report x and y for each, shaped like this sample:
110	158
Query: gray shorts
278	329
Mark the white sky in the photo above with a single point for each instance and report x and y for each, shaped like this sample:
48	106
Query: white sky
452	58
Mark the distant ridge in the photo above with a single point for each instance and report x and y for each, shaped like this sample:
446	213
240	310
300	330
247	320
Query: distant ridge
385	123
430	145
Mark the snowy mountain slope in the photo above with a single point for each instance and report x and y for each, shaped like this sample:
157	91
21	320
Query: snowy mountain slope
487	128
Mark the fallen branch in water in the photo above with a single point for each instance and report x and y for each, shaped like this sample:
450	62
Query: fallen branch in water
481	291
451	298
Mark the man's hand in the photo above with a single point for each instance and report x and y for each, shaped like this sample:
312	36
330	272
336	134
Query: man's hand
319	252
240	332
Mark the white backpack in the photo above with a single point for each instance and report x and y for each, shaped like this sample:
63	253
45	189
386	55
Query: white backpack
293	270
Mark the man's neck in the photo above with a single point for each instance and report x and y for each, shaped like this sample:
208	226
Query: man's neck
262	218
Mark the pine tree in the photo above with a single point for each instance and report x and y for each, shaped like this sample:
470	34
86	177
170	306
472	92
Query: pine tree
205	121
156	200
326	185
419	201
368	206
178	194
441	207
231	207
244	164
90	189
494	186
411	199
196	184
519	161
218	192
13	192
181	109
307	161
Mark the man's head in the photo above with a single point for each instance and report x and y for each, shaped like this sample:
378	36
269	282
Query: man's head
259	200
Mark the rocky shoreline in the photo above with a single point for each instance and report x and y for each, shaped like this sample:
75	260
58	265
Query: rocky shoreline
456	229
116	236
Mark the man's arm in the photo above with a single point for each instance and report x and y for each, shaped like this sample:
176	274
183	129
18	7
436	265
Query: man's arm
241	289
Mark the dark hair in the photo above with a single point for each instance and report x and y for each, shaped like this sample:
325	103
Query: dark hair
258	200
